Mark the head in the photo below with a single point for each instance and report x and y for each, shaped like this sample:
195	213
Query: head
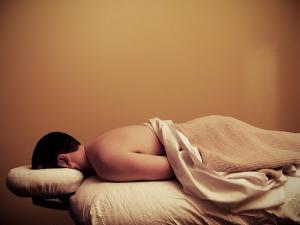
53	149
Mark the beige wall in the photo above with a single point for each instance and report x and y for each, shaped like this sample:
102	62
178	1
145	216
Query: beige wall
86	67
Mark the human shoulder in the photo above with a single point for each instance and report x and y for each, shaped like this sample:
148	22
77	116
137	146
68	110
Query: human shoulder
112	140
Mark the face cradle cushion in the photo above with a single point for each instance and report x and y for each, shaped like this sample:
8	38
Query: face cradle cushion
26	182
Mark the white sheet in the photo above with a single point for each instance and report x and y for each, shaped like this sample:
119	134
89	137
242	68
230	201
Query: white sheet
235	191
155	202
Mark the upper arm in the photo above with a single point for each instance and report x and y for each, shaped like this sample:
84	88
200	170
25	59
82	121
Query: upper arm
131	166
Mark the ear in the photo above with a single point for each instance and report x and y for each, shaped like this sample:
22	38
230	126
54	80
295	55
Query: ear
64	160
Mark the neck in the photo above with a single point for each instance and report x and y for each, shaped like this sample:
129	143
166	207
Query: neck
79	157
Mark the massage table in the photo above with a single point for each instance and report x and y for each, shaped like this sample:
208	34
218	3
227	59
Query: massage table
92	201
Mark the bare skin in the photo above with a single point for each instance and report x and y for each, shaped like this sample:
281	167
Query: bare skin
128	153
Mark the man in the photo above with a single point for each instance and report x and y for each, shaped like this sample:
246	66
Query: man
130	153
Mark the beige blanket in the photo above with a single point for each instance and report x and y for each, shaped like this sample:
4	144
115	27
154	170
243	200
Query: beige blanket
233	191
230	145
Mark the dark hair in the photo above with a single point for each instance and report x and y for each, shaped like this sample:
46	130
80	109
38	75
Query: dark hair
49	147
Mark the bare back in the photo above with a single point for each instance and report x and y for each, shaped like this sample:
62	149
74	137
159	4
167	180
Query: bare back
134	138
129	153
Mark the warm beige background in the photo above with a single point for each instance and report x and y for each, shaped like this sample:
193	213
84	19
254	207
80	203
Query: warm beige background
86	67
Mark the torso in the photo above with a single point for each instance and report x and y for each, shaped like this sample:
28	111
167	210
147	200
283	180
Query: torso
135	138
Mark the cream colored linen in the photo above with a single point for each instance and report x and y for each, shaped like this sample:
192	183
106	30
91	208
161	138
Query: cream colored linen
291	207
25	182
97	202
234	191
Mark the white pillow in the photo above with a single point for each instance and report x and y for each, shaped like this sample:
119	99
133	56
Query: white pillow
25	182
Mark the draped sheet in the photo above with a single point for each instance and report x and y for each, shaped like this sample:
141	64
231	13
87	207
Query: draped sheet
233	191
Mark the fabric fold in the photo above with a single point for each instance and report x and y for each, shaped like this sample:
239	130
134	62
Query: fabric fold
234	191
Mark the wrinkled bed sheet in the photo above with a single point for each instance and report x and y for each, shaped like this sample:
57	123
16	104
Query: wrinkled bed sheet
163	202
155	202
